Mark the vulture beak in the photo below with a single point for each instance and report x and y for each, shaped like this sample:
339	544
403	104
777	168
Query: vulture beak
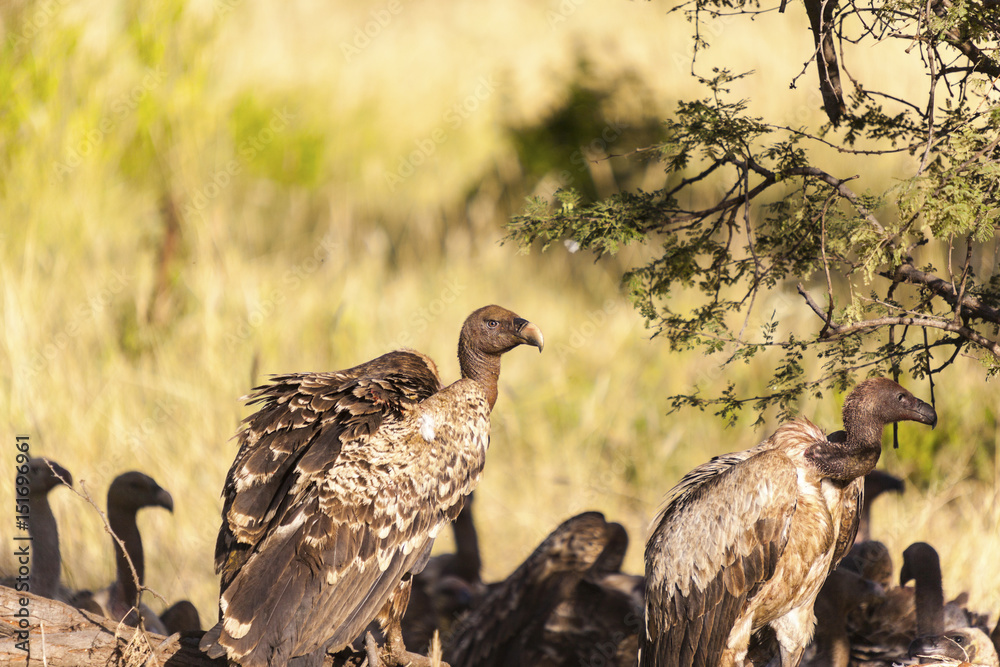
165	500
61	473
529	333
925	414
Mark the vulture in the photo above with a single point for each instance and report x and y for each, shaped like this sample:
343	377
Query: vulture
46	564
842	592
876	483
870	559
447	587
966	645
509	626
340	485
745	541
128	493
882	633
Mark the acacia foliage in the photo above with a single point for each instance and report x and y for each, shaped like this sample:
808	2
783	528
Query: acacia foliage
900	280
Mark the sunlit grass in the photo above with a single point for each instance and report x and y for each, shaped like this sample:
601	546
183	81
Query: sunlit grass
334	268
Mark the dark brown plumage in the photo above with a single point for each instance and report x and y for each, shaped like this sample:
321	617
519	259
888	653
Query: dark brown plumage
746	540
877	482
509	626
448	586
882	633
128	493
43	475
340	485
842	592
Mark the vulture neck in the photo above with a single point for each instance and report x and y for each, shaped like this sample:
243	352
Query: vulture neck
469	564
46	562
123	525
855	450
483	368
929	594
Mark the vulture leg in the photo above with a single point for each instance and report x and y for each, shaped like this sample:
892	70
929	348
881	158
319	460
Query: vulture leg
390	618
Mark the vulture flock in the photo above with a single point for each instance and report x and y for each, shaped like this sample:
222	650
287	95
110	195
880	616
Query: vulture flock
342	481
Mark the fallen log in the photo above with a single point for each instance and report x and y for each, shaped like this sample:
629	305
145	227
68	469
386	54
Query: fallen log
39	631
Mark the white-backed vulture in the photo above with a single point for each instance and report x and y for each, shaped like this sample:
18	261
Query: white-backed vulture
42	476
128	493
448	586
870	559
746	540
341	483
882	633
970	645
508	627
877	482
842	592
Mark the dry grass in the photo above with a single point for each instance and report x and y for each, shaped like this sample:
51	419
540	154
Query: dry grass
321	277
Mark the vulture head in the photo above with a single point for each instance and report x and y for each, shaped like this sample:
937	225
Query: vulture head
880	401
131	491
965	645
488	333
45	475
493	330
922	565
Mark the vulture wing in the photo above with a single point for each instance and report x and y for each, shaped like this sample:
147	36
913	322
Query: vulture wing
854	498
340	485
509	624
718	539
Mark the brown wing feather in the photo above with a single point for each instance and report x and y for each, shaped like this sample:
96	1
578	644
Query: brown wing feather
717	541
341	483
854	498
511	620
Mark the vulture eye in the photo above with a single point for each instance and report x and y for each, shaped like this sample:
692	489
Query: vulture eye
900	397
492	324
958	639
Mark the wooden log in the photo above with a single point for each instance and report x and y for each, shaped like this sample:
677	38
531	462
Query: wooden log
36	631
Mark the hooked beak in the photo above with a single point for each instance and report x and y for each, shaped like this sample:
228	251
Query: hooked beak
529	333
165	500
925	414
64	476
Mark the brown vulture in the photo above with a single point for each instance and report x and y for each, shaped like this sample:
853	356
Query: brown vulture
128	493
877	482
512	625
842	592
448	586
745	541
341	483
43	475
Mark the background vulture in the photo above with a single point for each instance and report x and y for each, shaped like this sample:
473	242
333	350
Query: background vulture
514	624
746	540
128	493
46	564
340	485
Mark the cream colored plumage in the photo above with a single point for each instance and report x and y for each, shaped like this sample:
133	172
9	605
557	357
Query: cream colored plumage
746	540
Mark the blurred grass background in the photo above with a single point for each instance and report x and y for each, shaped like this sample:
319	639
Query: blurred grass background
197	194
